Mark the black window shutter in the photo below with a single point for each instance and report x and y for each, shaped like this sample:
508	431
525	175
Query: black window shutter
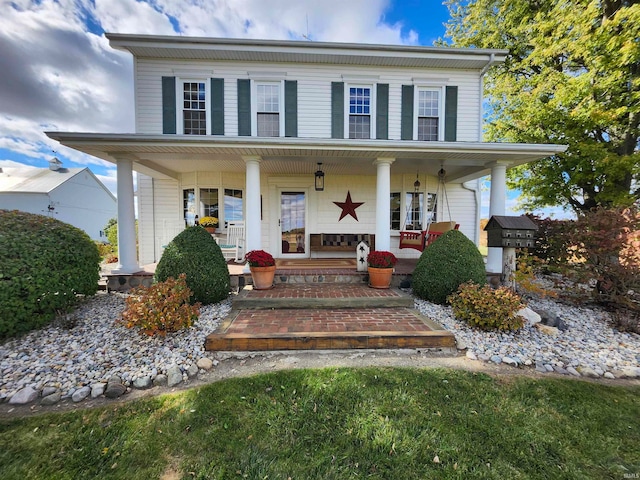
168	104
382	111
406	118
244	107
337	109
217	106
290	108
451	114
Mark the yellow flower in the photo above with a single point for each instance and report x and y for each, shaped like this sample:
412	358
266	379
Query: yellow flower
209	222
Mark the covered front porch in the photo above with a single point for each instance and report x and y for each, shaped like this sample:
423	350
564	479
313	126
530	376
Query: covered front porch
364	174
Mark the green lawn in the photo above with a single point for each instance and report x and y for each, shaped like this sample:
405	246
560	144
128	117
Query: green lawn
342	424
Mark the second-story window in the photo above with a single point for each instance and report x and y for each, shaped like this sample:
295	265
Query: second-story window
428	115
194	113
360	112
268	109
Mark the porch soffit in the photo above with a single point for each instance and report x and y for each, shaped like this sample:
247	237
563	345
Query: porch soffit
168	156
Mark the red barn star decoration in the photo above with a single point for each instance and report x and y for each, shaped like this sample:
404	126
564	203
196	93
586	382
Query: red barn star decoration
348	207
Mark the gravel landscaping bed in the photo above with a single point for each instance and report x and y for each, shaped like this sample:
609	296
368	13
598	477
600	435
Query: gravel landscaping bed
89	354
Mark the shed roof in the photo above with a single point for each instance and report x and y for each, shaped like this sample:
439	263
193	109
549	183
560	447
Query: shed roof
34	180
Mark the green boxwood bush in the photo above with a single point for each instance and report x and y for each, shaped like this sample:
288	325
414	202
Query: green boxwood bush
44	265
446	264
195	253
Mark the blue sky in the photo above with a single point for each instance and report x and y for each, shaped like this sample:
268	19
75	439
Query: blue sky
59	73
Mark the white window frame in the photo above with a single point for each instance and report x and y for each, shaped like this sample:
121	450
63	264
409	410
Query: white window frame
372	108
180	104
254	105
416	103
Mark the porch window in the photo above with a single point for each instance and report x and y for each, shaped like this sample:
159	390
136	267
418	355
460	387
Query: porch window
209	206
414	203
268	109
396	214
429	115
233	205
416	214
360	112
194	113
189	206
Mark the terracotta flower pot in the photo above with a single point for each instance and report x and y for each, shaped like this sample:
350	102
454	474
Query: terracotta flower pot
211	230
263	277
380	277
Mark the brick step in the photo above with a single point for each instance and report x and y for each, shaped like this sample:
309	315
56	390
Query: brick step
324	328
310	295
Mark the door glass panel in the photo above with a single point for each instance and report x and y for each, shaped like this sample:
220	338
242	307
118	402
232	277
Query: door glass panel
292	222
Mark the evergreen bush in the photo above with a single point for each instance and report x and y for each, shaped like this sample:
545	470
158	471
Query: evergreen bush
195	253
446	264
44	265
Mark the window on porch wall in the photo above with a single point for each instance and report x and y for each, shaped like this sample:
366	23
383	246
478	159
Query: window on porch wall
415	211
233	205
209	206
189	206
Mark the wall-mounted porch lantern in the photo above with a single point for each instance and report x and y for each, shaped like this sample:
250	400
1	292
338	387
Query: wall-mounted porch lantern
319	175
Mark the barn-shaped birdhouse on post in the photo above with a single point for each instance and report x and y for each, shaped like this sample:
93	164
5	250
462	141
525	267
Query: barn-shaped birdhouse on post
511	232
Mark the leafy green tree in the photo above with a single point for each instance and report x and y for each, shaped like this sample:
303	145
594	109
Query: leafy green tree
111	232
572	77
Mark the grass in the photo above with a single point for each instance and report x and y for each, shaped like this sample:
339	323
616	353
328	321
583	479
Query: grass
341	424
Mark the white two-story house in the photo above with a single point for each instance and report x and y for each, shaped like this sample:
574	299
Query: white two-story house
243	130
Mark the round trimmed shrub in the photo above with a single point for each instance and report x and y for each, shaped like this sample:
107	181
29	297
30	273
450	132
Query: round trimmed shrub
44	265
195	253
446	264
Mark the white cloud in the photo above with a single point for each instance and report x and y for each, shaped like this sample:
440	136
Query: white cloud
59	72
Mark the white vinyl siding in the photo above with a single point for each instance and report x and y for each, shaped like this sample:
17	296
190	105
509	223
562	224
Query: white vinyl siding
314	94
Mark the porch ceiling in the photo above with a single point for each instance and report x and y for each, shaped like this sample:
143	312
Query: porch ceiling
169	156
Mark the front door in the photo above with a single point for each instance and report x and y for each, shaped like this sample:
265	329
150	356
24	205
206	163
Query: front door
293	224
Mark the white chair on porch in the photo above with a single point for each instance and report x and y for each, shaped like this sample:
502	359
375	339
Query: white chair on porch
234	245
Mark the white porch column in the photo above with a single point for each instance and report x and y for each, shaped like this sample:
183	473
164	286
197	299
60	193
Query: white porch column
383	205
253	222
497	206
127	255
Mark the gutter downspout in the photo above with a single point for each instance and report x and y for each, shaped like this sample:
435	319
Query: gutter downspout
485	69
474	186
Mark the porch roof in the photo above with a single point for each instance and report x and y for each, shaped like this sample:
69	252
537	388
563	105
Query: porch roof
165	156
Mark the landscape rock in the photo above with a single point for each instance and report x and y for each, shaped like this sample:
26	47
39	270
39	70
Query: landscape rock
573	371
546	329
540	368
629	372
46	391
496	359
471	355
530	316
552	320
509	361
205	364
114	389
160	380
609	375
192	371
80	394
51	399
142	383
588	372
174	376
24	396
97	389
